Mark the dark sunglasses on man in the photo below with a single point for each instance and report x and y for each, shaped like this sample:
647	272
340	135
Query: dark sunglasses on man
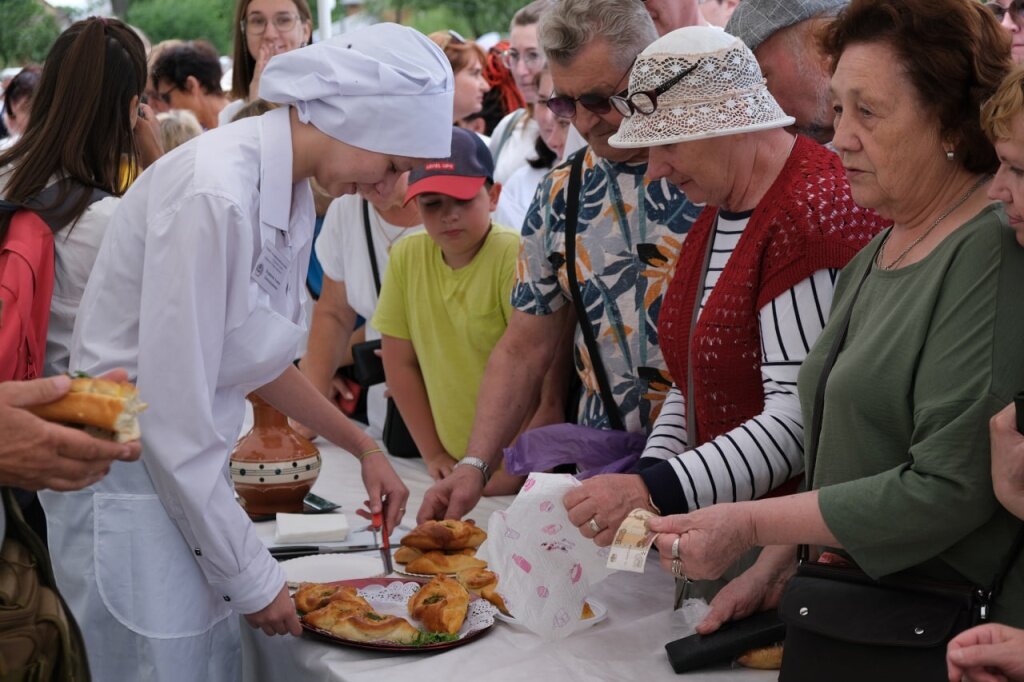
1015	10
564	106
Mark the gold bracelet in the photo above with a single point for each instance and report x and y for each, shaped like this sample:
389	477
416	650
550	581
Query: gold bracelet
360	457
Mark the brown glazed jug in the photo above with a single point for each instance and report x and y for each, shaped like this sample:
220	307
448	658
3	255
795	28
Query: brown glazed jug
272	466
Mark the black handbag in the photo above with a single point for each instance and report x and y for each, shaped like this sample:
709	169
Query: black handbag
369	369
367	366
844	626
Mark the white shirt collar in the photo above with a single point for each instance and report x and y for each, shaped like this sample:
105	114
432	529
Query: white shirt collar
276	168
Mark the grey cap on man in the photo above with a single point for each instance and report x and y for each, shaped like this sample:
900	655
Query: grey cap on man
754	21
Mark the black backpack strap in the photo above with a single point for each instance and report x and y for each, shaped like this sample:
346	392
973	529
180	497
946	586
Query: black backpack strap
369	245
48	205
572	213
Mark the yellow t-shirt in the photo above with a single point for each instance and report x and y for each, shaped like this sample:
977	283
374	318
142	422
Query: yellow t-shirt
453	319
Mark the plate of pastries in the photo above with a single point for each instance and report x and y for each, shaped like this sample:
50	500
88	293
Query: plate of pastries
395	615
440	548
449	548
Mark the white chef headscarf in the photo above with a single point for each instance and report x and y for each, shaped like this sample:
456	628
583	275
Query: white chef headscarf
385	88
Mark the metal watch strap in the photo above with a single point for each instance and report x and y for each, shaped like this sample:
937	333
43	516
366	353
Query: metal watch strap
483	467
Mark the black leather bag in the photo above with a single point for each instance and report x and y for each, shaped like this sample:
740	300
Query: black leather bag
367	366
845	627
397	439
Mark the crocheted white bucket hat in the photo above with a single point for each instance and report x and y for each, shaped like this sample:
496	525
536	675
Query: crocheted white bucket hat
721	93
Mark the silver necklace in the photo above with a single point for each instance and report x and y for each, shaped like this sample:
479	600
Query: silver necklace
945	214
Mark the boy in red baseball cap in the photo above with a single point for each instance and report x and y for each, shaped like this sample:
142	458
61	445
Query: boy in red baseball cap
445	302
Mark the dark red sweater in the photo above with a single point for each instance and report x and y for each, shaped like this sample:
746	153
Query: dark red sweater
807	221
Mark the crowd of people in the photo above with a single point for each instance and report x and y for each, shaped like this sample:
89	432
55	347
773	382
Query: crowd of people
749	265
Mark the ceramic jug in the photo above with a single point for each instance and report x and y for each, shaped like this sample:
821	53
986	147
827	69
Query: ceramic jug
272	466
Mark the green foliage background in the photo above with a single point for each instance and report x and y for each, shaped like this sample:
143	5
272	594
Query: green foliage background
27	30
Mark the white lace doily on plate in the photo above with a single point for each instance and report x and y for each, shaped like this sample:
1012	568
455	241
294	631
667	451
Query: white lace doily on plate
393	598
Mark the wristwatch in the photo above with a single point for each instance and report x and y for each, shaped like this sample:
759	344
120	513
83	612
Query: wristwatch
479	464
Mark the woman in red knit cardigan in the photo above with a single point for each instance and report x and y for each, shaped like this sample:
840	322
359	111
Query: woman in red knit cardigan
752	287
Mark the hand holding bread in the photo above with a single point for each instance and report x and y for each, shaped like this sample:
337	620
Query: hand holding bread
35	454
110	406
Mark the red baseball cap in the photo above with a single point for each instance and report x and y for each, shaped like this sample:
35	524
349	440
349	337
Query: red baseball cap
461	175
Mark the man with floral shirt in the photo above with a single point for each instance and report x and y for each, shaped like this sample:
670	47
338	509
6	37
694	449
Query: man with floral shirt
627	239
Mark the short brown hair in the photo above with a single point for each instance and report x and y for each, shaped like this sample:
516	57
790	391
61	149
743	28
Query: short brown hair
954	52
1005	107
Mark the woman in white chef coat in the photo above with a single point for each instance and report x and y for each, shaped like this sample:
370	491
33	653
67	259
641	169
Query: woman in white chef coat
196	291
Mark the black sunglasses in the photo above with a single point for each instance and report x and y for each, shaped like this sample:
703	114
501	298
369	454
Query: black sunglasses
564	106
1015	10
646	102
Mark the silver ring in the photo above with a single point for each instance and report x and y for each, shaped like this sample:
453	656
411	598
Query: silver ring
677	569
592	524
675	547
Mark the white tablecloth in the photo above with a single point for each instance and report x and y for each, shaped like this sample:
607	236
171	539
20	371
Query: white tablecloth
627	645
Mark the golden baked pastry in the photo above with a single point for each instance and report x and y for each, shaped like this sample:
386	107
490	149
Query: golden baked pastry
587	611
404	555
360	625
440	605
480	581
313	596
446	535
434	562
763	658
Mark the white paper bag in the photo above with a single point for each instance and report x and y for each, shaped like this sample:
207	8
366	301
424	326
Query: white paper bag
545	566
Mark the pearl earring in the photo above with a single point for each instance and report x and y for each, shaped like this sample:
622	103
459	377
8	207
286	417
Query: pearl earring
950	156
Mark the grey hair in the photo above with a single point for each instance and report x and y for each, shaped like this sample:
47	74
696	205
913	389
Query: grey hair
571	25
531	14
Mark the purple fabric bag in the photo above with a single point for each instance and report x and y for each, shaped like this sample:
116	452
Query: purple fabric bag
593	451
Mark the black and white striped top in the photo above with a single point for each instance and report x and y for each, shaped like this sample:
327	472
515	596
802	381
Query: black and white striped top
766	450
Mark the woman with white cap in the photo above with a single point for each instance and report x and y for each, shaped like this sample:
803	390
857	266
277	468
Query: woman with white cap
753	281
197	291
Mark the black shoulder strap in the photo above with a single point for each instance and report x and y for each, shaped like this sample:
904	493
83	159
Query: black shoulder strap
369	245
572	214
45	204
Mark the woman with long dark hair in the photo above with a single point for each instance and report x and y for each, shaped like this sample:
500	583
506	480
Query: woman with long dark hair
82	143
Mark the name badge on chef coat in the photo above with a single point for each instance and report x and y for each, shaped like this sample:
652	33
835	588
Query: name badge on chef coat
271	269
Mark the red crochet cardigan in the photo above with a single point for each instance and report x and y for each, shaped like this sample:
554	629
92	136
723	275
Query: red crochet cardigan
807	221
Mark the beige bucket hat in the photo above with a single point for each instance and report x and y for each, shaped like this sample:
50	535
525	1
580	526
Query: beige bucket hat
694	83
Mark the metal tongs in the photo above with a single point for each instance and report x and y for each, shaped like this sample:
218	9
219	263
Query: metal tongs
377	523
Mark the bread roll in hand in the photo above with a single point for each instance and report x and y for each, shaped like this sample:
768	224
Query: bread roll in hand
110	406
